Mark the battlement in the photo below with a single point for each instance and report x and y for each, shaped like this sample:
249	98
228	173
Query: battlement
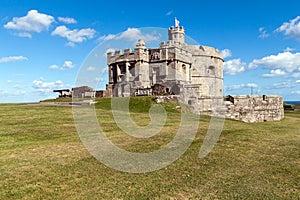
176	34
177	28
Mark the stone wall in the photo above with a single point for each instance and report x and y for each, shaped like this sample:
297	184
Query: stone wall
254	108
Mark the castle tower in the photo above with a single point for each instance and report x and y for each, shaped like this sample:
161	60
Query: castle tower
176	34
142	65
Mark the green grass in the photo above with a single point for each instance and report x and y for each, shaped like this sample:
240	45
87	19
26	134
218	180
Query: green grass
42	157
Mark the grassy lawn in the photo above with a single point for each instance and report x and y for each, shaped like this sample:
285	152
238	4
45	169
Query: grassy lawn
42	157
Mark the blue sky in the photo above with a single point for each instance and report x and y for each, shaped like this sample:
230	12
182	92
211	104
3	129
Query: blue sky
45	44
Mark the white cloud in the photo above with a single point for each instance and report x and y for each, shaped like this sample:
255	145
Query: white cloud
53	67
286	60
32	22
251	85
67	20
297	81
47	87
91	68
67	65
284	84
274	72
296	92
9	81
169	13
12	59
295	75
291	28
5	93
234	66
74	36
225	53
131	34
288	49
18	86
24	34
108	37
240	86
263	33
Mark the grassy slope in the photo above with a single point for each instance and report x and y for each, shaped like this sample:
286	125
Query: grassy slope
42	157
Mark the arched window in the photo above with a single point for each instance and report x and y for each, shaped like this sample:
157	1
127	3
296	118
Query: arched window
183	68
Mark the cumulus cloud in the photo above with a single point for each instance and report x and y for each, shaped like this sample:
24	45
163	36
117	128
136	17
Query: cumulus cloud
41	85
131	34
263	33
67	20
12	59
291	28
234	66
225	53
67	65
74	36
297	81
32	22
241	86
53	67
274	72
286	60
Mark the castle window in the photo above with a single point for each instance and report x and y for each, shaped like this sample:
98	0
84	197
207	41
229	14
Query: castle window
167	90
211	67
264	97
123	70
211	70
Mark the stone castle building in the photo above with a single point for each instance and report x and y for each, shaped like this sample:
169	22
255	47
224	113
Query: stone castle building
194	74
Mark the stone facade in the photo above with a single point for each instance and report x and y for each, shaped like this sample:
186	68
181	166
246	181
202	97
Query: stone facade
175	68
254	108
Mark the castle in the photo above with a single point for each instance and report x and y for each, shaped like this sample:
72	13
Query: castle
174	68
190	74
